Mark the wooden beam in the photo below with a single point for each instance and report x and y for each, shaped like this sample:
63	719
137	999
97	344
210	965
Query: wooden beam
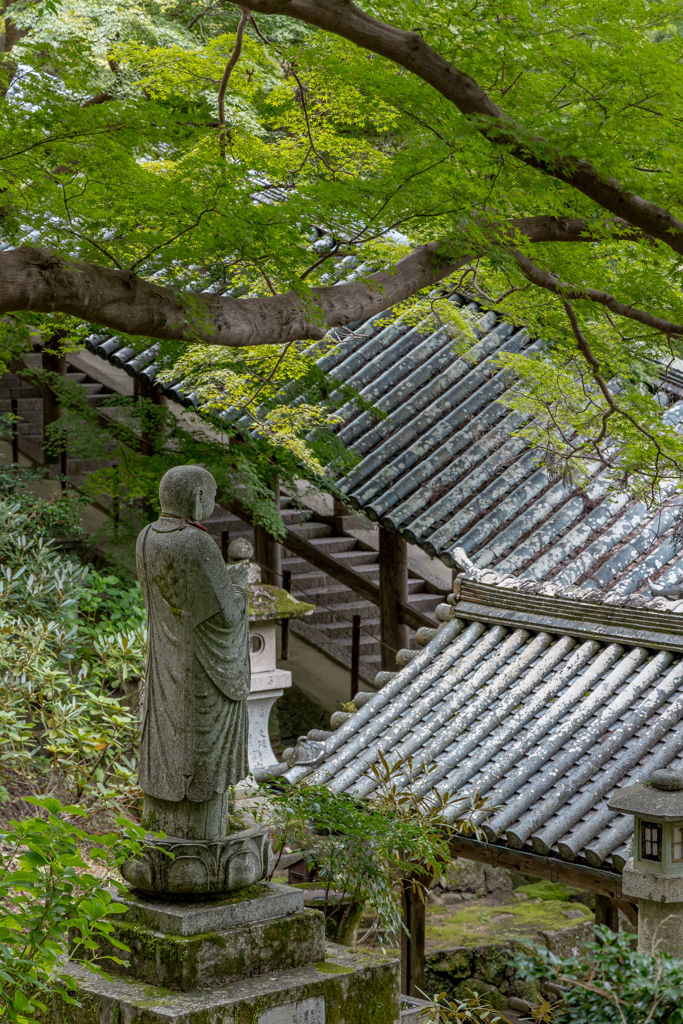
629	910
607	911
393	595
413	938
577	875
342	573
53	362
267	551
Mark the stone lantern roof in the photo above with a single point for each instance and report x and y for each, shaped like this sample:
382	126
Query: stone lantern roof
269	602
651	799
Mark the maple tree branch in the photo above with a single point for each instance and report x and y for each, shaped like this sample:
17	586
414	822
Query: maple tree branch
409	50
234	57
43	281
544	279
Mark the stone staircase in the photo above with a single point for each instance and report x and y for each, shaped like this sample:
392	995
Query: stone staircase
29	407
329	627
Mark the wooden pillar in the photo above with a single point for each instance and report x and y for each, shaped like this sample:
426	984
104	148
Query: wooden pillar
413	942
53	362
393	591
267	551
607	912
151	434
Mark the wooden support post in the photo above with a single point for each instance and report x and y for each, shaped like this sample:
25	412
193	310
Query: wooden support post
607	912
339	508
53	362
225	544
116	504
286	585
413	941
267	551
356	581
15	431
64	468
151	432
355	655
393	592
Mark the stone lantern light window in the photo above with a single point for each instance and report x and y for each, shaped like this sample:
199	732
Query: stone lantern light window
651	841
678	844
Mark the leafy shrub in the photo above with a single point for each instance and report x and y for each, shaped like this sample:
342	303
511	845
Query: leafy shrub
54	902
71	657
368	849
609	982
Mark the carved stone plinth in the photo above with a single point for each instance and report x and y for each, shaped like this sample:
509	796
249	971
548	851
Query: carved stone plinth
182	867
256	957
185	947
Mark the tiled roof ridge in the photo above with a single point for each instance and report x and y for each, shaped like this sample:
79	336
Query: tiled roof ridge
581	611
570	592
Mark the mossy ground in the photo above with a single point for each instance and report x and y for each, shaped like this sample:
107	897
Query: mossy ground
496	920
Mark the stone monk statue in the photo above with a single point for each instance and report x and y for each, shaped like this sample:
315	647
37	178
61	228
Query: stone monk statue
195	723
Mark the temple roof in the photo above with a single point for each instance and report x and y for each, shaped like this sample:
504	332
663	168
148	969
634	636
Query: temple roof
443	469
542	699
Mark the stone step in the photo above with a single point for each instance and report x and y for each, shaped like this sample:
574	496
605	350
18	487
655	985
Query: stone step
23	404
332	596
24	391
313	531
369	645
341	613
369	622
32	415
357	556
305	581
332	545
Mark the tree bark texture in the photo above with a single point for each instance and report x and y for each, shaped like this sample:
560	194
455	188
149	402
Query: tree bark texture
42	281
393	592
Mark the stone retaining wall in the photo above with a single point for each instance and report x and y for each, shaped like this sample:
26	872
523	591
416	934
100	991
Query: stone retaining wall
487	969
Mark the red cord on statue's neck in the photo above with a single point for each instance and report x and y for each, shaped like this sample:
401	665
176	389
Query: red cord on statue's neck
190	522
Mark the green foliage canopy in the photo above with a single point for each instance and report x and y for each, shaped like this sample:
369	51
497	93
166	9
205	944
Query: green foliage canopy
529	151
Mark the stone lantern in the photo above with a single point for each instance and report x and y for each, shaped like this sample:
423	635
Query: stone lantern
267	605
655	872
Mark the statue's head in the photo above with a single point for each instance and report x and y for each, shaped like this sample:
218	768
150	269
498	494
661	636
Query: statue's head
188	491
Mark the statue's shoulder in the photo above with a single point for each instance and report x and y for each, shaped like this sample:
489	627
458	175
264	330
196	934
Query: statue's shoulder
164	526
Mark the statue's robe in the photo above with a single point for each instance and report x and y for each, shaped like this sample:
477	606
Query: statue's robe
195	725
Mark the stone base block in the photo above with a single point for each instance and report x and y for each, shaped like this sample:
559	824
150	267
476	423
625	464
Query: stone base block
188	947
660	928
348	987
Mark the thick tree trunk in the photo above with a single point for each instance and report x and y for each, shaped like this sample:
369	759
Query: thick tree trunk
44	282
393	592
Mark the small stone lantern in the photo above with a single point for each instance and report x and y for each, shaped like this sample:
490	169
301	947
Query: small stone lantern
655	872
267	604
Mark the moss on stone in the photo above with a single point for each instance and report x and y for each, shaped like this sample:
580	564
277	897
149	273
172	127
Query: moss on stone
476	925
269	602
548	891
328	968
